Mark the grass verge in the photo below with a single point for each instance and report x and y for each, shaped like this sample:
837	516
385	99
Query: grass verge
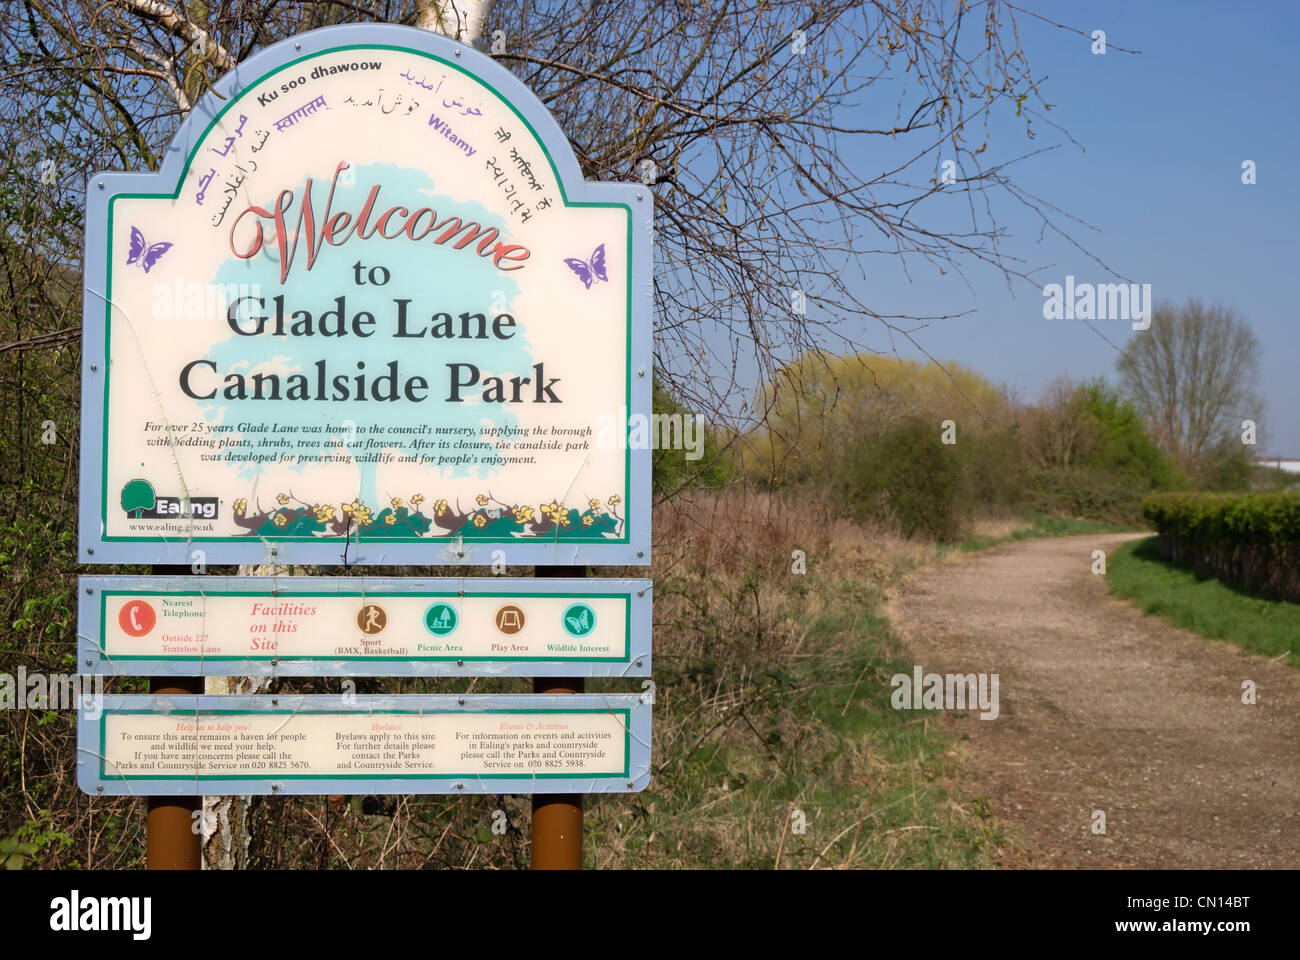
1202	604
810	768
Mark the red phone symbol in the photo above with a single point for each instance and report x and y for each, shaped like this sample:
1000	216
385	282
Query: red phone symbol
137	618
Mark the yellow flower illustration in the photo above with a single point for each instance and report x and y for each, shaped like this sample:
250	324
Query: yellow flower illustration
280	520
615	500
362	516
594	504
523	514
397	503
390	519
586	521
440	507
481	500
325	513
418	499
282	499
241	505
480	520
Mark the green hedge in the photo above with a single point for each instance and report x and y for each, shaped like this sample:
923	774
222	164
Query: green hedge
1250	539
1238	517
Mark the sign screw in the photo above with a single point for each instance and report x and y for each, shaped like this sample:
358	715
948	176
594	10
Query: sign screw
460	663
101	184
93	367
275	788
460	786
275	702
630	785
639	196
99	788
640	371
458	51
461	701
641	592
297	46
87	662
638	663
90	589
90	550
640	553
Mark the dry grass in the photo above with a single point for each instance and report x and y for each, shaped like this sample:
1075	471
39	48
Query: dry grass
771	698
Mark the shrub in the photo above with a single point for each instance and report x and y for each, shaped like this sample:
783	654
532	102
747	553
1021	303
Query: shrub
1251	540
910	476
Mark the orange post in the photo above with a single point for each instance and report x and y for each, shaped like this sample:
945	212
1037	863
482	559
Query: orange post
557	817
172	839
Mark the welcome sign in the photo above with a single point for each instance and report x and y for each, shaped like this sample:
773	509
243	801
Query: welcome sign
368	311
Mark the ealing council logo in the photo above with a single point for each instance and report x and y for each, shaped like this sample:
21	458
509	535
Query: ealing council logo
141	503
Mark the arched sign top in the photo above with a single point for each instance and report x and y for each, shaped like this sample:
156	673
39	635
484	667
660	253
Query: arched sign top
264	67
368	311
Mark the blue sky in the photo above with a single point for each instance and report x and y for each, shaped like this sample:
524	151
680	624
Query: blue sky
1164	134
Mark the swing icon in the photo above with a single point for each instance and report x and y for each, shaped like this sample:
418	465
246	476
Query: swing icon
510	619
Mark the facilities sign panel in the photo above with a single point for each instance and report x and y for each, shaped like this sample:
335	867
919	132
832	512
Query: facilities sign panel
335	626
194	745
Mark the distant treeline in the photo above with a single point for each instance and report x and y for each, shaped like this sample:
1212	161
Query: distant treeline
929	446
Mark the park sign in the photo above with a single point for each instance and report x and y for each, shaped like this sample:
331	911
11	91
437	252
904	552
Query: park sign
367	311
363	626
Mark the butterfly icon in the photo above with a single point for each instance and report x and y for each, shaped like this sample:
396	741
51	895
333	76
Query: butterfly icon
589	272
581	623
144	253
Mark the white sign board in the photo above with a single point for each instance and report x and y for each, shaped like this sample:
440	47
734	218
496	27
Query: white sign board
368	311
195	745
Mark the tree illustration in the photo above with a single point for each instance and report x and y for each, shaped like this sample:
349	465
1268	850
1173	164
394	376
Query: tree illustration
137	496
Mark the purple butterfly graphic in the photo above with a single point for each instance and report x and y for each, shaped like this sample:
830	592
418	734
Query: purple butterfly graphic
589	272
144	253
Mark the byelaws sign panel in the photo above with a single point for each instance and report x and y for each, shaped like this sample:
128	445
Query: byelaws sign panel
331	626
193	745
368	311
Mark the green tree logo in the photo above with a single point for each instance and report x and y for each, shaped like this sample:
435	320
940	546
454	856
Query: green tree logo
440	619
137	497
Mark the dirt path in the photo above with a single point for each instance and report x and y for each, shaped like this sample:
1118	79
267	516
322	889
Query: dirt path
1102	708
